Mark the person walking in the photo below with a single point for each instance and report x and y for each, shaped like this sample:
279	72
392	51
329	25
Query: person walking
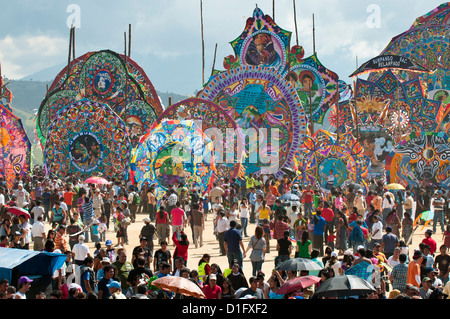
233	245
258	245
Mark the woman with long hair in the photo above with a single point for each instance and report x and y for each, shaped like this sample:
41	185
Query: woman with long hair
244	214
181	246
263	212
407	226
227	290
204	269
304	246
393	221
258	245
275	282
388	204
341	232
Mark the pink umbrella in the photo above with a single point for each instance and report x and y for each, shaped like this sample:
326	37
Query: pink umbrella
97	180
297	283
19	211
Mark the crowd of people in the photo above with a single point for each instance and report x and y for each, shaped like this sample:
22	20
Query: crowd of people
346	231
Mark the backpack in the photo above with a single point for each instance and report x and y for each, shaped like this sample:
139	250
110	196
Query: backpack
79	273
136	199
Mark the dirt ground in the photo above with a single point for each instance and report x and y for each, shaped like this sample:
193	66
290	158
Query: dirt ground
211	245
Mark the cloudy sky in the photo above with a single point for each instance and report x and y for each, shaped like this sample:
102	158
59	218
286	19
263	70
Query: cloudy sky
166	34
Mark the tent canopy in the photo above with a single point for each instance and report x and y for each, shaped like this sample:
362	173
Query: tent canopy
28	262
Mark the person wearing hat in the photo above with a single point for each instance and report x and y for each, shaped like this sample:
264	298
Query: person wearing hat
16	240
432	273
413	275
101	272
439	205
430	241
425	290
115	290
24	285
110	251
212	290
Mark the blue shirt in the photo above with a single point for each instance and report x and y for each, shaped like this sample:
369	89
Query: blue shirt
319	227
252	198
88	210
232	238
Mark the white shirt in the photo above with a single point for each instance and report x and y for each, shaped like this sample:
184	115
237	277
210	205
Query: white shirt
244	212
38	229
222	225
27	238
393	262
80	251
37	211
378	225
2	199
233	215
64	206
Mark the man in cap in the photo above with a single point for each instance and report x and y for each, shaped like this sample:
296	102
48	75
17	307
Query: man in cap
115	290
425	290
24	285
110	251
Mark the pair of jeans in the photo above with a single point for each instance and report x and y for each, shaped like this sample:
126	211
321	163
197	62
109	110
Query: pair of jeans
234	256
256	267
244	224
88	231
438	217
308	209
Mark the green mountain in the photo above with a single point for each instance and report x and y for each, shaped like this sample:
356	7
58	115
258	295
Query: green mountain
27	97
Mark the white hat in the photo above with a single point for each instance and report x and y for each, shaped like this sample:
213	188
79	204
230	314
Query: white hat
348	252
146	220
212	277
334	254
360	247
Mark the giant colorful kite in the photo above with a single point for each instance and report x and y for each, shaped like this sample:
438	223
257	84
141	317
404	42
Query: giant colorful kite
254	92
104	77
422	159
87	138
316	86
329	162
220	127
174	150
15	147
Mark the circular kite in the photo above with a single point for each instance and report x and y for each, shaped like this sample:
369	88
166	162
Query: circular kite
104	77
174	150
15	147
87	138
421	159
219	126
331	161
267	109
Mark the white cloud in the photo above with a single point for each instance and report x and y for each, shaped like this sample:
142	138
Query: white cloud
25	54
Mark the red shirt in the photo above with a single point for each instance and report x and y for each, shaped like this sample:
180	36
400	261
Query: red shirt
308	196
211	293
369	199
430	242
180	250
328	214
